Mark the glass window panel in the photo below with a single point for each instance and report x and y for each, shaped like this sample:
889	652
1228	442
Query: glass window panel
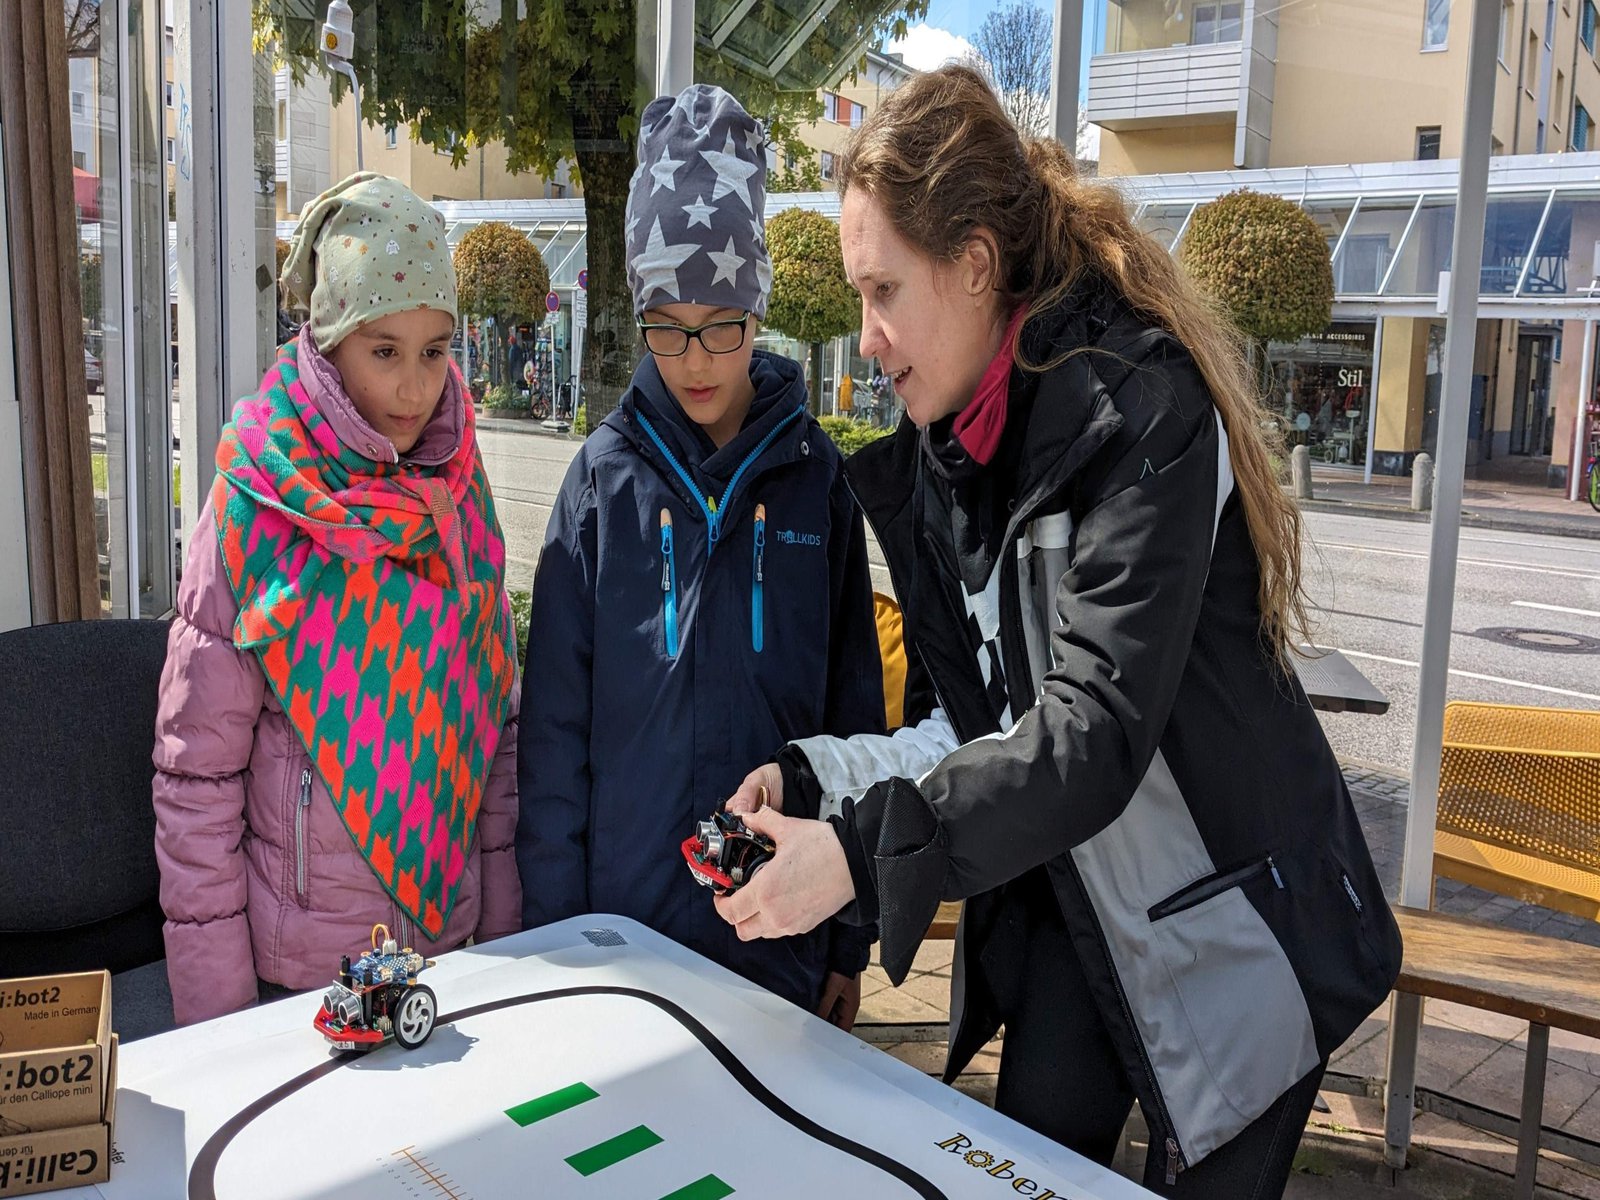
1370	245
1163	221
1331	217
1426	251
1230	25
93	64
1564	260
1436	24
1509	225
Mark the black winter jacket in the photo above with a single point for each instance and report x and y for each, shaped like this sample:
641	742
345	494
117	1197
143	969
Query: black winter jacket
1171	778
667	659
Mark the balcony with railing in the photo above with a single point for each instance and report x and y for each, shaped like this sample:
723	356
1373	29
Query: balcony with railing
1167	63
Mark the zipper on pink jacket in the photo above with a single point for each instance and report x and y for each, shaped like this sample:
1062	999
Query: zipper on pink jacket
300	834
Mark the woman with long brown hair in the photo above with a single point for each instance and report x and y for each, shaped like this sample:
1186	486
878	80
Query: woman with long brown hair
1106	752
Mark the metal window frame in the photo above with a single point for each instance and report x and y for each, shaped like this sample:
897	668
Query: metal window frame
1533	246
131	350
799	37
216	253
1177	238
1333	258
1400	246
576	246
16	598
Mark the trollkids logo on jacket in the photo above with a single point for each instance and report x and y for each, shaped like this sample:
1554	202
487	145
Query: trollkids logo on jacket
790	537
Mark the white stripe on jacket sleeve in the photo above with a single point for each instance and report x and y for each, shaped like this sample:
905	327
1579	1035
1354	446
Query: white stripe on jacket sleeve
849	766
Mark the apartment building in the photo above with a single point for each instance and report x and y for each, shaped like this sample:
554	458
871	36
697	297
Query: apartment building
1344	106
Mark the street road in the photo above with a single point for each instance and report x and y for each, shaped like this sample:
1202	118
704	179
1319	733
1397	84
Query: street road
1366	577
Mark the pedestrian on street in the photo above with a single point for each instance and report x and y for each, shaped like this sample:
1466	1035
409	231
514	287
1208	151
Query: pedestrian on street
1106	751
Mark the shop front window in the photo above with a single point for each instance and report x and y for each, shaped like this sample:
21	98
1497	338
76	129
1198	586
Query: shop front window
1322	392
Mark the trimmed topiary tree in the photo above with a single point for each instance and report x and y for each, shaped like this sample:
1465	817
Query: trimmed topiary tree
1266	261
812	300
500	274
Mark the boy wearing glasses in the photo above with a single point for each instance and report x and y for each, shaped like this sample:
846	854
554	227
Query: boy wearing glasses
703	595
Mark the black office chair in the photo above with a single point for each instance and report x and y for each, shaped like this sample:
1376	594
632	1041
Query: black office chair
79	888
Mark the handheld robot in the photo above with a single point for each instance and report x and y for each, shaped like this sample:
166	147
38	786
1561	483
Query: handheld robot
724	854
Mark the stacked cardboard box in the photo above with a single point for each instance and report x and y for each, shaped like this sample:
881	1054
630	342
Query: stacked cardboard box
58	1082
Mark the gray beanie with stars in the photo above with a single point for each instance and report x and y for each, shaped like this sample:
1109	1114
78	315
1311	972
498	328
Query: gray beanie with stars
696	205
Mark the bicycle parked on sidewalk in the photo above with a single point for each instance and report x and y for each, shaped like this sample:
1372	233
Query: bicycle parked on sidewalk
1591	469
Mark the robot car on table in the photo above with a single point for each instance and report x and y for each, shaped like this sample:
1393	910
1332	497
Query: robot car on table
377	998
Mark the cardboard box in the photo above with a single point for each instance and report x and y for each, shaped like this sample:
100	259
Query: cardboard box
55	1041
63	1158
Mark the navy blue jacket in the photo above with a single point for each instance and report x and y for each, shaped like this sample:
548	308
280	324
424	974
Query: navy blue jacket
665	662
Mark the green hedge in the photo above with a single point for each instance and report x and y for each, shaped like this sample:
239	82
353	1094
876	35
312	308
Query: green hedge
849	434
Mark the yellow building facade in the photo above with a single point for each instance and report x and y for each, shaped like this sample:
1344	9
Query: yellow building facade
1244	92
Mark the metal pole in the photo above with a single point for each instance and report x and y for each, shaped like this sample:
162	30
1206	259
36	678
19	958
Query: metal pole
1580	418
16	600
1065	59
675	49
1416	880
349	72
1372	400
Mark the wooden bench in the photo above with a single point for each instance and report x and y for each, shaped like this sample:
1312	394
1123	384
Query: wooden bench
1519	804
1549	983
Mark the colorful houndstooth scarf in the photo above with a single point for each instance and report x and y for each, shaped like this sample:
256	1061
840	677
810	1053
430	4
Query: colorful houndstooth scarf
374	595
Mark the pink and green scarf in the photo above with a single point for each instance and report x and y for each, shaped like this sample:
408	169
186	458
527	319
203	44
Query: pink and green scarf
374	595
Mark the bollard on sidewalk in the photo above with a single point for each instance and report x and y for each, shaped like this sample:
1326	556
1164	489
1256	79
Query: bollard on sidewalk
1300	472
1422	484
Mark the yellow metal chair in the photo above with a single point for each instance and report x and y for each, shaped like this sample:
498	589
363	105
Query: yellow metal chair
1519	804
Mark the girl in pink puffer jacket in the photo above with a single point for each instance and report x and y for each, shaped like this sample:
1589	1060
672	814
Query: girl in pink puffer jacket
336	740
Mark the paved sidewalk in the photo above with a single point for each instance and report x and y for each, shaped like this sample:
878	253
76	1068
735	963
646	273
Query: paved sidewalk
1521	507
1469	1055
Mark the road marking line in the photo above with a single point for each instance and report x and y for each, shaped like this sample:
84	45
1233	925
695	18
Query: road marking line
1534	687
1577	612
1476	562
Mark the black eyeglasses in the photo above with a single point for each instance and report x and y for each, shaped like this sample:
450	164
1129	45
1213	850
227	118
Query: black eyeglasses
716	337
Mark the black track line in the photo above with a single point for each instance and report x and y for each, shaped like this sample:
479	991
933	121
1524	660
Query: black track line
203	1175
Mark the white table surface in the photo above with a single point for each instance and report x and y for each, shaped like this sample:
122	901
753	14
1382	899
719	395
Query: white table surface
375	1125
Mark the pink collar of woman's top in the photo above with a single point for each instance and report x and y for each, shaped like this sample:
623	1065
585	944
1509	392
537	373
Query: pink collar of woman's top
980	424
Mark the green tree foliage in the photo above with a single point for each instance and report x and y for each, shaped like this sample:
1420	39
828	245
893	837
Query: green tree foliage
500	274
812	300
91	276
1266	261
560	82
849	434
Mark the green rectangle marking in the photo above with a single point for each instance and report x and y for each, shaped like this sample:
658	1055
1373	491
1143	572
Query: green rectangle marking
709	1188
550	1104
614	1150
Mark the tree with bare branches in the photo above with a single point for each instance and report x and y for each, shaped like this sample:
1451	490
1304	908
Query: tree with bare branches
1013	50
83	28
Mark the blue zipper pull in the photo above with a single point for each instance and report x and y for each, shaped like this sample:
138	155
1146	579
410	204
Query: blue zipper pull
713	521
669	588
757	607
